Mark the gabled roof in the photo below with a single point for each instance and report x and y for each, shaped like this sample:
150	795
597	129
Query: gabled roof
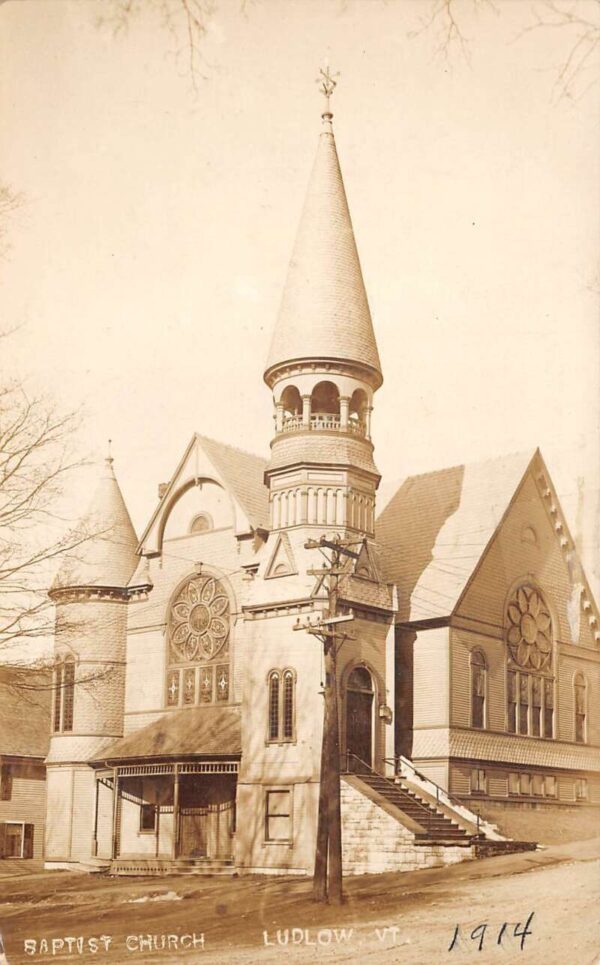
25	699
244	473
240	472
434	530
106	542
194	731
324	310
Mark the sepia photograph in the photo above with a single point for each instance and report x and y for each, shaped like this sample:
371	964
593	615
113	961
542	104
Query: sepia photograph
300	481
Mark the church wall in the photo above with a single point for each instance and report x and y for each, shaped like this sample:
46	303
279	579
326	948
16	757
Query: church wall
59	796
513	557
269	644
104	825
94	633
82	828
431	679
219	553
369	648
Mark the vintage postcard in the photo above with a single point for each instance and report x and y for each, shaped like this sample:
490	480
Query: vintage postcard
299	481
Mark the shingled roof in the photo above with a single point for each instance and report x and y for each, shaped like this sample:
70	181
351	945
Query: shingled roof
106	552
25	699
436	526
324	310
193	731
244	474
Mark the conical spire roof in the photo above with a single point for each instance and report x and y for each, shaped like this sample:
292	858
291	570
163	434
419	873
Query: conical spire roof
105	554
324	311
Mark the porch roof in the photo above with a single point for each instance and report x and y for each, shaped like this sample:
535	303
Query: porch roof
194	731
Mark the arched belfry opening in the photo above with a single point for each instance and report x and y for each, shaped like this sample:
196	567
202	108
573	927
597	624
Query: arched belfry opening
358	411
325	406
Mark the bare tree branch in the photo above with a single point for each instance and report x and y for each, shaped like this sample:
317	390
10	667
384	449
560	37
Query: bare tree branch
185	20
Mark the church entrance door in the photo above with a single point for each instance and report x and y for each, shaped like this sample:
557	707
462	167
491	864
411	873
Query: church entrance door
359	719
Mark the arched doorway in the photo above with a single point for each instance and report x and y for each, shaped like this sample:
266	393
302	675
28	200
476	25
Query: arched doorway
360	693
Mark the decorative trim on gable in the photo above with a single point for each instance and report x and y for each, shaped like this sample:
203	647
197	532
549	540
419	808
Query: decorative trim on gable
282	562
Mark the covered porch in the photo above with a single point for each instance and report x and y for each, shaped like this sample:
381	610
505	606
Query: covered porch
152	810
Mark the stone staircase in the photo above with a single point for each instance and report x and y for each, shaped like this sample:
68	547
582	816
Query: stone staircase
159	867
437	827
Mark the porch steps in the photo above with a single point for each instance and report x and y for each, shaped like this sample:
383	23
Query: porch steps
158	867
437	827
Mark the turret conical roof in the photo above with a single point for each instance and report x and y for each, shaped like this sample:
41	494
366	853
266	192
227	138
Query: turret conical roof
104	542
324	311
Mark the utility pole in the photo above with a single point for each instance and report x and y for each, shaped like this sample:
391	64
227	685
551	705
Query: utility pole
327	881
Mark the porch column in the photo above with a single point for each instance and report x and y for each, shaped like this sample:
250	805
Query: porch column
175	811
95	837
115	840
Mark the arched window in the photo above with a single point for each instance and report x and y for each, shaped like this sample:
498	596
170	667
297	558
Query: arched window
282	710
64	695
198	643
357	412
580	705
530	680
478	688
201	523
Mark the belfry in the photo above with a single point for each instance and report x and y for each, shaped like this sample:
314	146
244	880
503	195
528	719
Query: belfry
187	713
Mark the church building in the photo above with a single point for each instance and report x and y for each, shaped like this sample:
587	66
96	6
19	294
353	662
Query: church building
188	711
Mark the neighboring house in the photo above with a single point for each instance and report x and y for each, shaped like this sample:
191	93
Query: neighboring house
187	718
25	698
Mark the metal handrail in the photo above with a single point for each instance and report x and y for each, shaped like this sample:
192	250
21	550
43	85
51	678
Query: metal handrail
449	797
369	767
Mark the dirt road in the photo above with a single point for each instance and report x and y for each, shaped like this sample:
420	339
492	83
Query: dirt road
411	918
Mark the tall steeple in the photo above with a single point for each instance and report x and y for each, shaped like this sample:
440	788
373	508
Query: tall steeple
323	364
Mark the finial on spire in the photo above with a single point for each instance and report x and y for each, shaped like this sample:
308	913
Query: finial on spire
327	85
109	457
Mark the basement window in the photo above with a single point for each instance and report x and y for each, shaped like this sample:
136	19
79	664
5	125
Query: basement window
478	783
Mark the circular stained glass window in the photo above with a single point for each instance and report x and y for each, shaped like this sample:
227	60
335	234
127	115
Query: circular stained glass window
529	634
198	620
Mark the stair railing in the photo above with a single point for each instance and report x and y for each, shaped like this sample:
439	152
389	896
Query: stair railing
441	795
368	767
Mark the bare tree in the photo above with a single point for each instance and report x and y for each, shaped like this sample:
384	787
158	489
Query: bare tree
451	22
185	20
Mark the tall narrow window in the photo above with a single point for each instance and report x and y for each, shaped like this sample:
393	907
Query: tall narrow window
511	681
548	708
282	685
288	705
278	815
536	706
68	695
580	695
523	703
57	697
478	675
274	706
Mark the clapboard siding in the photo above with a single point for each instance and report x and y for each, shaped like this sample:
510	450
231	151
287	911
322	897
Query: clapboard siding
83	814
431	678
568	667
28	801
463	642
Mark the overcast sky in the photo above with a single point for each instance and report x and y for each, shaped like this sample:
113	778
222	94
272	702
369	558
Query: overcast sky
147	264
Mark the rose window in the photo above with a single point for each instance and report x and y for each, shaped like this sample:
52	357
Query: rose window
199	620
529	634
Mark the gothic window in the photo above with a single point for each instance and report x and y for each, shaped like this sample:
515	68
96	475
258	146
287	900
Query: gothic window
198	624
282	711
529	682
478	687
64	696
580	702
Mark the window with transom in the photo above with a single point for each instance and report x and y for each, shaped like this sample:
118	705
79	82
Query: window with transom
530	676
478	688
198	626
